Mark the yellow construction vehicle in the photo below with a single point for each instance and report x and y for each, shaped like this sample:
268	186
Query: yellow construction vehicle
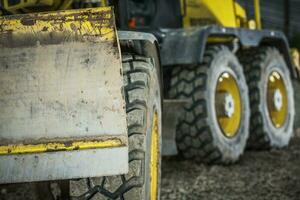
78	101
224	77
236	76
230	69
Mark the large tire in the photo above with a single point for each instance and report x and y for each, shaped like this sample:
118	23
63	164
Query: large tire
199	135
259	63
143	107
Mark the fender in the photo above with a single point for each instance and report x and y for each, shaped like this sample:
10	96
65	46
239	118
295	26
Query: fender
144	44
187	46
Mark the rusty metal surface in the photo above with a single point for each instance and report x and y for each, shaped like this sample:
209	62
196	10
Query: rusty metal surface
60	81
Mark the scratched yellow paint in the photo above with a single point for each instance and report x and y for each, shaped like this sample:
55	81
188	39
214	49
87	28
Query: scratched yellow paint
85	22
97	23
78	145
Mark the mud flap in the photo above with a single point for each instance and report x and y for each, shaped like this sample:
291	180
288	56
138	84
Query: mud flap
170	118
62	113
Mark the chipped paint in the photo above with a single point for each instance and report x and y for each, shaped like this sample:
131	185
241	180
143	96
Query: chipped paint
58	146
94	25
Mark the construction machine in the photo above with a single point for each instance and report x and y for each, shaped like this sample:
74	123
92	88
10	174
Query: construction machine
235	76
78	100
226	84
231	76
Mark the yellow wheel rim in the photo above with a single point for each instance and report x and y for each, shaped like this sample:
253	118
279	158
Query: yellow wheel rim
228	105
277	99
154	160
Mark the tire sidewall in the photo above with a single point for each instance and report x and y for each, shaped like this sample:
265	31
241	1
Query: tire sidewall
279	137
153	106
231	148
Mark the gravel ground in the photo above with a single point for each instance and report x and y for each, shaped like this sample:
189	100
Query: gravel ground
258	175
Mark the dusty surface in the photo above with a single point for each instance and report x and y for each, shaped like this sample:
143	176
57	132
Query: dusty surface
258	175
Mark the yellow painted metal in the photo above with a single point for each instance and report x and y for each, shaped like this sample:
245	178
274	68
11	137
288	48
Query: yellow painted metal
241	16
71	22
154	160
227	13
276	82
59	146
229	125
104	3
252	24
296	59
24	3
28	6
257	13
218	39
183	8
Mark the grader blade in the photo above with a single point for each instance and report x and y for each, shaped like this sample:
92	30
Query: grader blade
62	112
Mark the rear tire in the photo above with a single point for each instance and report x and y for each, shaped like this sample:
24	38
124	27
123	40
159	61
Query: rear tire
259	64
143	108
199	135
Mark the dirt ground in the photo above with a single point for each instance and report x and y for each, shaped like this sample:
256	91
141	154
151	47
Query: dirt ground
259	175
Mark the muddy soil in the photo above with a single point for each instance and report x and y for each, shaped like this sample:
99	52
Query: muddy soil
258	175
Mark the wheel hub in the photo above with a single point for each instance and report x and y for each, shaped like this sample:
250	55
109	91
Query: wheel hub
225	105
277	99
228	104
